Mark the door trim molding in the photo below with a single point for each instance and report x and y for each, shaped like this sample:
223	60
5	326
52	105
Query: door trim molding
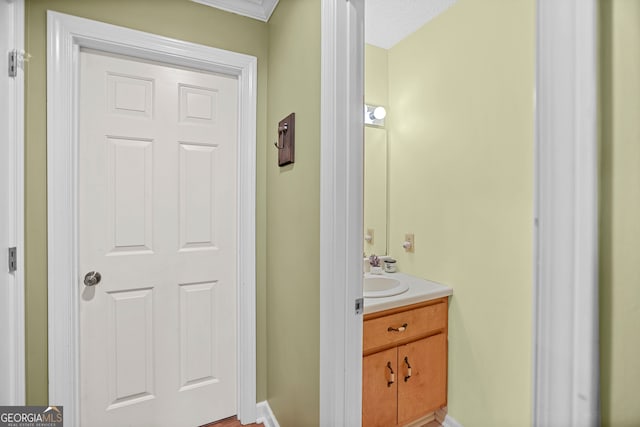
565	294
14	209
66	35
341	206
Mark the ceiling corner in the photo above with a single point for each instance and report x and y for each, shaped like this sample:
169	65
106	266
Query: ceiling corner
256	9
269	7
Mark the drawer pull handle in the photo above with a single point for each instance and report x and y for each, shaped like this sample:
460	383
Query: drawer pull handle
400	329
406	378
392	376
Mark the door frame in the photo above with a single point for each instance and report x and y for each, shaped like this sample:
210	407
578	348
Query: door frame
341	208
566	374
66	35
12	125
564	289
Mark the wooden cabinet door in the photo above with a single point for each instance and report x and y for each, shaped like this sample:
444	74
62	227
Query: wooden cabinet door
379	393
423	388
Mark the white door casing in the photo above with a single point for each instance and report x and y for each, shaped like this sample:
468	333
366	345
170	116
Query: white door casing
341	200
157	206
565	292
66	35
12	370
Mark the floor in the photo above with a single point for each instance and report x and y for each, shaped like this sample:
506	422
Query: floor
432	423
233	422
230	422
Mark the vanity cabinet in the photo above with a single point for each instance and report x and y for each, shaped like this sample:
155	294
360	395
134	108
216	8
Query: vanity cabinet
404	363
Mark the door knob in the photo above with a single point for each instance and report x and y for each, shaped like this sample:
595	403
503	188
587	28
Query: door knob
92	278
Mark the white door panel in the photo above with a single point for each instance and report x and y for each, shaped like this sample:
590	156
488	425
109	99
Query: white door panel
158	198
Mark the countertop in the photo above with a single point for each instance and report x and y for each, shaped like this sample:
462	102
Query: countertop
419	290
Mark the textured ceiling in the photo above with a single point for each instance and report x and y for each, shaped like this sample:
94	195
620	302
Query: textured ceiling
389	21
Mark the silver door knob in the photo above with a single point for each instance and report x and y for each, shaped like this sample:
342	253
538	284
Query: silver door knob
92	278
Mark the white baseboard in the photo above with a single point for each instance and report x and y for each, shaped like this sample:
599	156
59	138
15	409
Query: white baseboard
450	422
265	415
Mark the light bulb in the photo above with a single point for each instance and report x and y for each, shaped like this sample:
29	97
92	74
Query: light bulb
379	113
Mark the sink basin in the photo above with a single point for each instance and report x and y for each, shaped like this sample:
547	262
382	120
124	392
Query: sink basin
383	286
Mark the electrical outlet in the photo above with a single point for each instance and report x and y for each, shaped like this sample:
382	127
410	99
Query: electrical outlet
409	244
368	237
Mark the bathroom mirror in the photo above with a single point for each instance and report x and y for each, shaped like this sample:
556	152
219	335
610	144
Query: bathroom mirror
375	190
376	185
376	165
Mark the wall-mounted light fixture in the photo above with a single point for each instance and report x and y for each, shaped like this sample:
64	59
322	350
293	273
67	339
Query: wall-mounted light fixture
374	115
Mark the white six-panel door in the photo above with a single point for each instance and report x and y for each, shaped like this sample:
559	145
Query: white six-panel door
157	197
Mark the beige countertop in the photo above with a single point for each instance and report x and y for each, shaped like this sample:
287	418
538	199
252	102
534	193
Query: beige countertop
420	290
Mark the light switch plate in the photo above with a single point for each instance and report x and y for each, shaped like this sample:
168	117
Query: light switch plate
409	237
370	234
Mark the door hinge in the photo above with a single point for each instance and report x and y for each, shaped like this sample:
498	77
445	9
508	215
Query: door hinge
13	63
359	306
13	260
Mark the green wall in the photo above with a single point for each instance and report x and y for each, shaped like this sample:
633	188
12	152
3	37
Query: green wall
180	19
461	178
376	75
620	211
293	216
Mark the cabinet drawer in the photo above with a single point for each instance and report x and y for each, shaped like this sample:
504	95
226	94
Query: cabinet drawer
391	329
